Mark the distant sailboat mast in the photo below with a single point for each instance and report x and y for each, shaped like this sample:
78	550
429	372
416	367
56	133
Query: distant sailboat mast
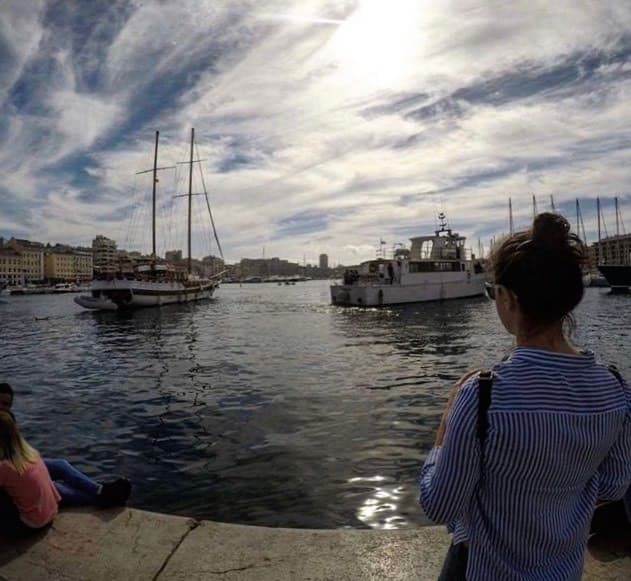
153	214
190	202
154	172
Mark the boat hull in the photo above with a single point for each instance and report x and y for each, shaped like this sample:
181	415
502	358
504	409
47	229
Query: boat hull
618	276
377	295
124	294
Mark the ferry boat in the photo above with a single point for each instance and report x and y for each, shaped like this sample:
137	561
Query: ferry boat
435	268
154	282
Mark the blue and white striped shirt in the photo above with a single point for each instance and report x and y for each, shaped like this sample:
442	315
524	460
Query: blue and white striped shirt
559	439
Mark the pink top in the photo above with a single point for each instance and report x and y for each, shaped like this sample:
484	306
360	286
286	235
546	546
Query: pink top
33	492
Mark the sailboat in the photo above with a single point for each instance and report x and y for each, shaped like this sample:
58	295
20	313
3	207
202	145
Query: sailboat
152	282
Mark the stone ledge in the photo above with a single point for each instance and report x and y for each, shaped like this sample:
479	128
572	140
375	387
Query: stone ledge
137	545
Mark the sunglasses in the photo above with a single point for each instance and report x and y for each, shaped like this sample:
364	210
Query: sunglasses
490	290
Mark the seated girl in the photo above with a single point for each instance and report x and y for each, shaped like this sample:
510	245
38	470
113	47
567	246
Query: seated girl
31	499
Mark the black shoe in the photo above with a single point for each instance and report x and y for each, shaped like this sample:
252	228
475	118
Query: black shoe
115	493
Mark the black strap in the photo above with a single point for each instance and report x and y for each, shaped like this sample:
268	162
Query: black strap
616	373
485	383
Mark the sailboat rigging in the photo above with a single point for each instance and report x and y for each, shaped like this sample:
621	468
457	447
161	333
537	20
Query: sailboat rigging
154	282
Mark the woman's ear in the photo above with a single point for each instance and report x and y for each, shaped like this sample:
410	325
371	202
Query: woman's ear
512	302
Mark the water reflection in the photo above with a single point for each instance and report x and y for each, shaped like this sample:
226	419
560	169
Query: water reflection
265	406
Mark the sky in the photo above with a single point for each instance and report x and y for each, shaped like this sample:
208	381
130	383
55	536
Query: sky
321	126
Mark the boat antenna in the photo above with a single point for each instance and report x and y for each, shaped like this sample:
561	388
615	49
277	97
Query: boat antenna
552	203
510	216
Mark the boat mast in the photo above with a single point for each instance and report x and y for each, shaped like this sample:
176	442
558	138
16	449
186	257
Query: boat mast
578	218
617	217
510	216
534	207
153	215
190	201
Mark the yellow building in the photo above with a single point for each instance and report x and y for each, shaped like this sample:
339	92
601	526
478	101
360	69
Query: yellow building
70	265
32	254
11	266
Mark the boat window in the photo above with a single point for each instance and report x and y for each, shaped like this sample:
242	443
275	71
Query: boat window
421	267
426	249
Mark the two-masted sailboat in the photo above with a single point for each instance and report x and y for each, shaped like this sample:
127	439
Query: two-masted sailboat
153	281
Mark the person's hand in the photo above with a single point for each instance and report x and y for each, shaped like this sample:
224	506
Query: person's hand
440	434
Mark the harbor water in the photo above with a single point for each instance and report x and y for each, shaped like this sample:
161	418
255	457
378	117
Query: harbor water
264	406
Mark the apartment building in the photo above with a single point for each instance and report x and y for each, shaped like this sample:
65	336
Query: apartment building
32	256
613	250
104	254
65	264
11	266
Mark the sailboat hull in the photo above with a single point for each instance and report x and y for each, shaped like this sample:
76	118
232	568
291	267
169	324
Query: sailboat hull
111	295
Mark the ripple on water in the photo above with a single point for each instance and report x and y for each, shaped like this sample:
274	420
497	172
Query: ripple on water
264	406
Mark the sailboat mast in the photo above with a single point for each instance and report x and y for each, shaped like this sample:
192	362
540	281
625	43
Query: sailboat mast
534	207
510	216
617	217
190	201
153	215
578	218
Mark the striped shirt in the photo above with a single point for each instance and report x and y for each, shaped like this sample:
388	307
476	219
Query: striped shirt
558	440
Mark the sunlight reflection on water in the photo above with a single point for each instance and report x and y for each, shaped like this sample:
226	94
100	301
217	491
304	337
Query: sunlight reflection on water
265	406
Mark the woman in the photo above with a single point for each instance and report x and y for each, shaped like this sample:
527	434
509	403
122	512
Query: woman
30	499
558	435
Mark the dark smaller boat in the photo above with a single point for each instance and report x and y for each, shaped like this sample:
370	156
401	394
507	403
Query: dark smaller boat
618	276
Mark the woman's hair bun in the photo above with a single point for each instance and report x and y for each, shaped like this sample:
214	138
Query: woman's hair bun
550	229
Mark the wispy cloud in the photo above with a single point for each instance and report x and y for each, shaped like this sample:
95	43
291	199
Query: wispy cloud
324	126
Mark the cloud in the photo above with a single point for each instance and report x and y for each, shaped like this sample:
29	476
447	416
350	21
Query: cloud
324	126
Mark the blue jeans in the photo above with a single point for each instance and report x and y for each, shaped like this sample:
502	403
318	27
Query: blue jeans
74	487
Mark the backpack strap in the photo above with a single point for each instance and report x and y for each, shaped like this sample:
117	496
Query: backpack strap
616	373
485	383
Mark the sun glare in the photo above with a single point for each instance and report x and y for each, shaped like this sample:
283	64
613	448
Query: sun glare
376	46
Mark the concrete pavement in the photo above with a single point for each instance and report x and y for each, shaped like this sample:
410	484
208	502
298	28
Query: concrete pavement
135	545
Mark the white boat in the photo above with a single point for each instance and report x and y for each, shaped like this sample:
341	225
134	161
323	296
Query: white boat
66	287
435	268
154	282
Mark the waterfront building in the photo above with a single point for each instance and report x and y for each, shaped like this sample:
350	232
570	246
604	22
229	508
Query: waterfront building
173	256
66	264
32	257
614	250
104	254
324	261
11	266
212	265
266	267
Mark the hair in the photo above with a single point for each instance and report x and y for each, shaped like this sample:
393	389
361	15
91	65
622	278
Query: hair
14	449
6	388
543	266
